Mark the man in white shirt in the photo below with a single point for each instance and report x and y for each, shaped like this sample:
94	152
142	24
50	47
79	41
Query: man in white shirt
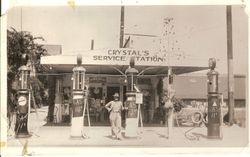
115	107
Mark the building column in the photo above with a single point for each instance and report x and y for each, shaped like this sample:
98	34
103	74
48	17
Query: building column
58	100
51	98
154	102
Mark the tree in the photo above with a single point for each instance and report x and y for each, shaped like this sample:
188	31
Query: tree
19	43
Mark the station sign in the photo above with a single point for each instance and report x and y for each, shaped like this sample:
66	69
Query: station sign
124	54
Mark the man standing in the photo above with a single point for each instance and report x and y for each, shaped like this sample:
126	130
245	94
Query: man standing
115	107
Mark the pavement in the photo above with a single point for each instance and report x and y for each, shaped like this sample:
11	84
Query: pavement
148	137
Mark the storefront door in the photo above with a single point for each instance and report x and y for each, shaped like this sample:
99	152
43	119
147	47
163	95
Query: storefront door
111	90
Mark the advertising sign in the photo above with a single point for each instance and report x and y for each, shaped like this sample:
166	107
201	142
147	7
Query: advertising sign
214	110
139	98
77	107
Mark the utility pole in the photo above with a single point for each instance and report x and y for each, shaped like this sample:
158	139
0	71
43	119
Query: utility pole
122	27
230	65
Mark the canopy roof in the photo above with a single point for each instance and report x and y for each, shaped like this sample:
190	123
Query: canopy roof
116	61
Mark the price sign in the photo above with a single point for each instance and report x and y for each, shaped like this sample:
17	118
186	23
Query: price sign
214	111
78	107
139	98
78	97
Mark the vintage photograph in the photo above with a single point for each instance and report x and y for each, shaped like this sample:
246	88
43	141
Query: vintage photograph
127	76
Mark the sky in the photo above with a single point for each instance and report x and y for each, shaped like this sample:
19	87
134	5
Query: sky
200	31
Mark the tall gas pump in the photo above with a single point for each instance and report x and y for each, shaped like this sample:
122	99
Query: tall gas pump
132	110
23	100
79	96
214	109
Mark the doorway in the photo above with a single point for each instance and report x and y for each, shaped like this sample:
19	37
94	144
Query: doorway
111	90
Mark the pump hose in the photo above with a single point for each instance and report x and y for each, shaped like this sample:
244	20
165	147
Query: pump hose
21	121
194	136
190	137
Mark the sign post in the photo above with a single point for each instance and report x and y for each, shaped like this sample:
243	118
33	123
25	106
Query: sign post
139	101
168	102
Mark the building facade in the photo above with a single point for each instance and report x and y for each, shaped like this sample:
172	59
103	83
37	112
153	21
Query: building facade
105	75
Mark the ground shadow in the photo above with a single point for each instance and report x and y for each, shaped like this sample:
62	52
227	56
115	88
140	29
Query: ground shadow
162	135
198	135
130	138
110	137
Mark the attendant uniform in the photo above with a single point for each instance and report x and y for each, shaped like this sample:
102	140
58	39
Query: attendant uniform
115	107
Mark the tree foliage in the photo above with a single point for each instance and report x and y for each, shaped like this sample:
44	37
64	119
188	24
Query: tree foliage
19	43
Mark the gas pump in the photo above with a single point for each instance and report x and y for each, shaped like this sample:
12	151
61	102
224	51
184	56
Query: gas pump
23	101
214	109
79	96
132	112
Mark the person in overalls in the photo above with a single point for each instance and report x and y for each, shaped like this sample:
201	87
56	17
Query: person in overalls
115	107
